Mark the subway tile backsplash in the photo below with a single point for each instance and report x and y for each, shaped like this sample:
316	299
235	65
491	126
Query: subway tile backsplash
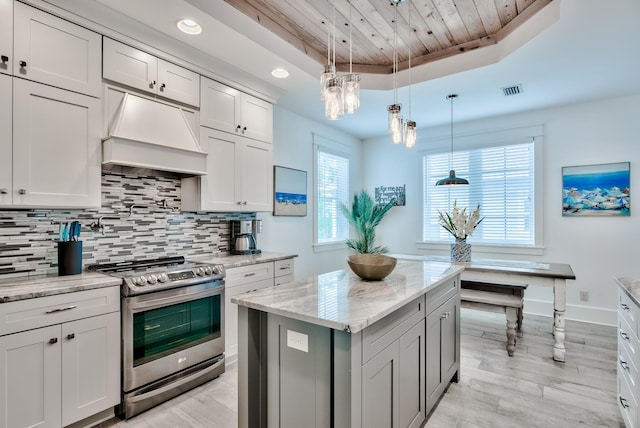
141	219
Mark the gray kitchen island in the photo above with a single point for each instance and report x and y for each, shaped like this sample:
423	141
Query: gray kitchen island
337	351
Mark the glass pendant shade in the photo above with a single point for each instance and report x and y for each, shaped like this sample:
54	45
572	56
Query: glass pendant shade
396	136
395	120
409	133
334	103
351	92
328	74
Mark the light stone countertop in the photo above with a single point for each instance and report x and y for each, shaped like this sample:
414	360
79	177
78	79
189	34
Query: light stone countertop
14	289
631	285
233	261
340	300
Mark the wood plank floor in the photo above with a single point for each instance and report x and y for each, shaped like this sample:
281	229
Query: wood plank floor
495	391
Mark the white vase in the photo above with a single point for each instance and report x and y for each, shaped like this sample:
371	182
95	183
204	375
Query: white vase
461	251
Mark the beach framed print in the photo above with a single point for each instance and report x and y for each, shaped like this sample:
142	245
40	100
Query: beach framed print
290	191
596	190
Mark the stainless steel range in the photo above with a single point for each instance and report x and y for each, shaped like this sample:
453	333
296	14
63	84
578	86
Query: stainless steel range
172	328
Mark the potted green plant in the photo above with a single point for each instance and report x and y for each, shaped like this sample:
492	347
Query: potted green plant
365	215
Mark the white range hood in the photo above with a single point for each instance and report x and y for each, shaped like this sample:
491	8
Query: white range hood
153	135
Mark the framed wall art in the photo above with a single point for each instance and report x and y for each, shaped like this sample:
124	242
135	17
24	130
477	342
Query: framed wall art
596	190
290	191
395	194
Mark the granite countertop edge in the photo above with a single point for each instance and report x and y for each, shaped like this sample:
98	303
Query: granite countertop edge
631	286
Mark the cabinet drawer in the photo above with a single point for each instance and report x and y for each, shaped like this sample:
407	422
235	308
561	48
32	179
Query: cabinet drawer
380	334
628	310
442	293
282	279
283	267
628	341
627	403
247	274
627	368
39	312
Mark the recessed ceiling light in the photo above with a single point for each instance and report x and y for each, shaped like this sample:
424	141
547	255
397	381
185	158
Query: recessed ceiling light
189	26
280	73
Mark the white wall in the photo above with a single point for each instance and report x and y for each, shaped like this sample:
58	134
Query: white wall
597	248
293	148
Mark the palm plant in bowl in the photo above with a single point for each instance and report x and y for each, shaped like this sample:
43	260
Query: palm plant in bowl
365	215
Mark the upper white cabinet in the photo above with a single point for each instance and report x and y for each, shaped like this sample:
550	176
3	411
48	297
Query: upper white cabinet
133	67
230	110
50	50
56	148
239	175
6	107
6	36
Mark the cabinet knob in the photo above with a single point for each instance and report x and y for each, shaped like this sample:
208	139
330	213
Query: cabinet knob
624	364
239	203
623	402
625	307
624	335
244	203
23	64
244	129
3	191
4	58
163	86
22	192
53	340
71	336
152	84
238	128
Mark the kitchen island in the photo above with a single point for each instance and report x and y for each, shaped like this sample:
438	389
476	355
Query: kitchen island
334	350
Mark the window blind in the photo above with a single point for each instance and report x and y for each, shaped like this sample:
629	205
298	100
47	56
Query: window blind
501	180
332	182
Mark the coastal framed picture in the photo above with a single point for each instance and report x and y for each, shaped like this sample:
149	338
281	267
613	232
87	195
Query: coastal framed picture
596	190
290	191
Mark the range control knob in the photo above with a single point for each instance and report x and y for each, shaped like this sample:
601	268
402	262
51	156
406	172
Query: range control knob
152	279
217	269
208	270
200	271
141	281
163	277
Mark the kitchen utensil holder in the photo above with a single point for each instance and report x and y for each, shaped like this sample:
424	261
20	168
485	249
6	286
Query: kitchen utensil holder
69	258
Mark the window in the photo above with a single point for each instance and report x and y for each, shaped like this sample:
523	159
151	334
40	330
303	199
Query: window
332	188
502	182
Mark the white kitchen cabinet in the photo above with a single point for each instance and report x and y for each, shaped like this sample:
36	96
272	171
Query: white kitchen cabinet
56	373
6	36
238	281
628	356
56	148
6	138
133	67
283	271
51	50
233	111
239	175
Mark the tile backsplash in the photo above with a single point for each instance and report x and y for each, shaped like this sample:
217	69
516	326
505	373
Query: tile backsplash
141	219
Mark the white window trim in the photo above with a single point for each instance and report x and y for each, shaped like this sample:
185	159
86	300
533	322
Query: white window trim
338	149
470	141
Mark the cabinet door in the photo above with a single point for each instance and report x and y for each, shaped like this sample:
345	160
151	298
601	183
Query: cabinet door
56	147
90	366
6	36
30	378
56	52
6	137
129	66
178	83
220	189
411	372
450	351
220	106
380	385
256	118
256	167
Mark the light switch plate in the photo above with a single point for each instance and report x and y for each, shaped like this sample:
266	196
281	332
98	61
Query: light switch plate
299	341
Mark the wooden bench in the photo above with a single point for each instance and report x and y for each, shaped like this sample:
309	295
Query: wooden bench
508	304
504	288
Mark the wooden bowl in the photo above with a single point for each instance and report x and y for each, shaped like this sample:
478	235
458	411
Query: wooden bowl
372	267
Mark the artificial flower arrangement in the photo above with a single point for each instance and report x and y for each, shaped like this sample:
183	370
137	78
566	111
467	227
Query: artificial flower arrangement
459	223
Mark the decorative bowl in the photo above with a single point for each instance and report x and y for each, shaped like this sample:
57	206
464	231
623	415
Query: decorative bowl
371	267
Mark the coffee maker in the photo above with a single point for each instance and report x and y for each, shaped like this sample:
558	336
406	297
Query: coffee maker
243	236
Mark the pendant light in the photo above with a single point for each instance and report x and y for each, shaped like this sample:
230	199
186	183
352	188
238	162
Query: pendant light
452	180
409	135
395	120
351	81
333	101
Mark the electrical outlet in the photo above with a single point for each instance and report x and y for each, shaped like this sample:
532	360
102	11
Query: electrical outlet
299	341
584	296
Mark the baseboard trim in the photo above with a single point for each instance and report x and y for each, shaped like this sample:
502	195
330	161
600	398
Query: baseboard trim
574	312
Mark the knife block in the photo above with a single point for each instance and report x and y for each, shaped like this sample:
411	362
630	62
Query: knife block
69	258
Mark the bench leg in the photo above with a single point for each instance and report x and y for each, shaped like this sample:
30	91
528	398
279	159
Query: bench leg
511	330
520	317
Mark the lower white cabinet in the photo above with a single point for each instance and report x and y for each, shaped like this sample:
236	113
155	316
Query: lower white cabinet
628	355
59	374
283	271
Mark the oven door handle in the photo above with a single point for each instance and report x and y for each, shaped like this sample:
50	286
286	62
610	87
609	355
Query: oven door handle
177	383
150	303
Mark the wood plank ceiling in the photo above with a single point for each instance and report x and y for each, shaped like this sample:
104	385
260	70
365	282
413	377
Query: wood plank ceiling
439	28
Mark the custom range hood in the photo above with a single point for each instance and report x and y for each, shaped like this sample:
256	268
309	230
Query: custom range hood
149	134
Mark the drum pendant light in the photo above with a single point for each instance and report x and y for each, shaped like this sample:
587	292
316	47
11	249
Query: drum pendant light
452	180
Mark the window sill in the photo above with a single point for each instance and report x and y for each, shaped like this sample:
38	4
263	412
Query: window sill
484	248
332	246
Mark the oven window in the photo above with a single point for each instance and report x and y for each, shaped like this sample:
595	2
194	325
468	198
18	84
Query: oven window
163	331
